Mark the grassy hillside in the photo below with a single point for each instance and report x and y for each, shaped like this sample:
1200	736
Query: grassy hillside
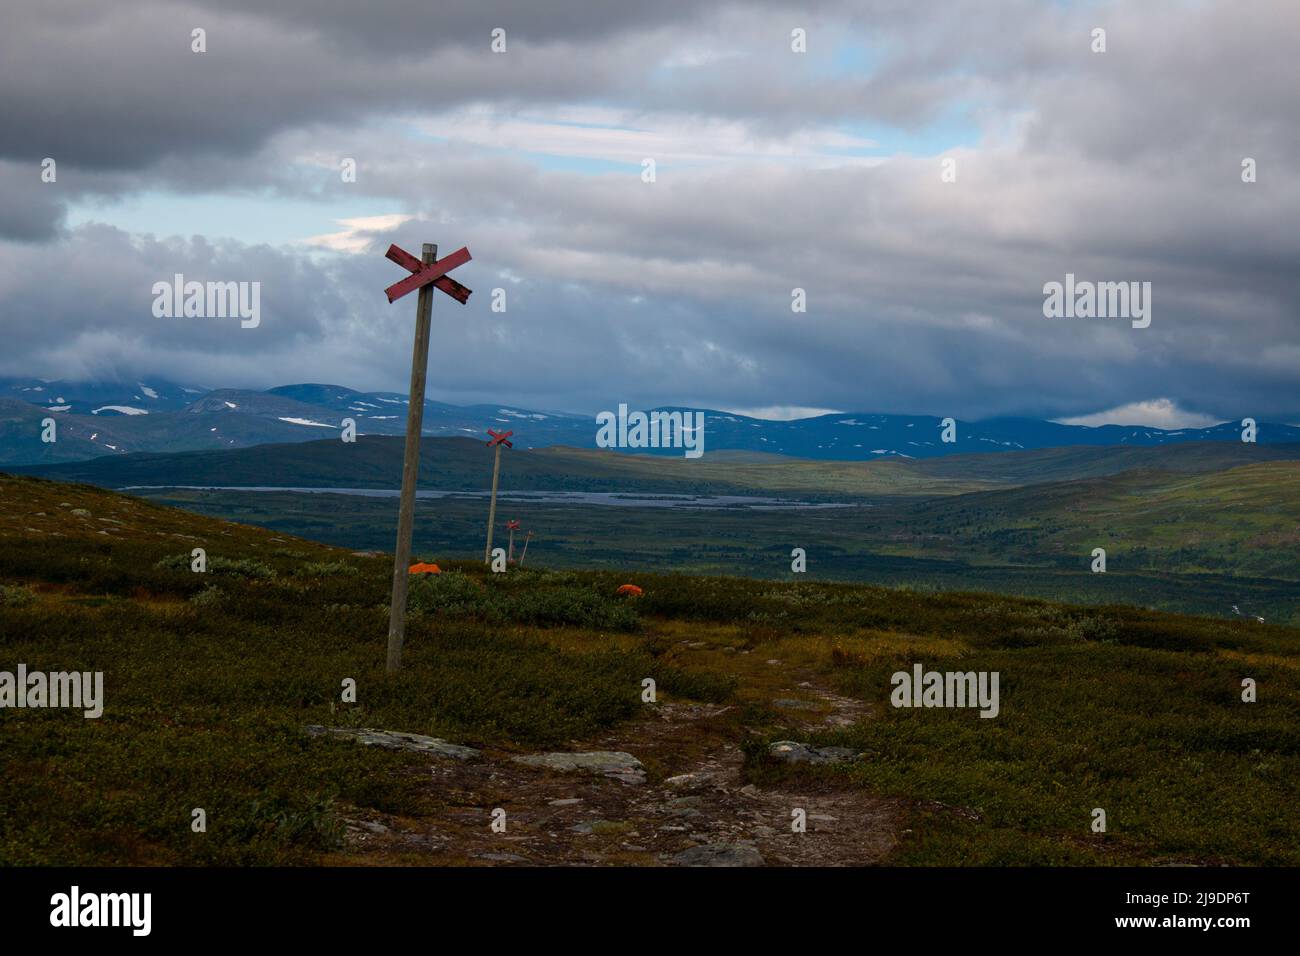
1181	539
210	680
464	464
1078	462
1243	521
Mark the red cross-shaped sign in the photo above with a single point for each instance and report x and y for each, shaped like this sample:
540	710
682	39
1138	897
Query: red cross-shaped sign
434	272
499	439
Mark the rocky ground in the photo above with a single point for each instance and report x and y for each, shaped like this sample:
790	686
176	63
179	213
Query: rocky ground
666	790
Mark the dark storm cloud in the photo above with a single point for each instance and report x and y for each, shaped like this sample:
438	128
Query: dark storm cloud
117	86
923	296
30	210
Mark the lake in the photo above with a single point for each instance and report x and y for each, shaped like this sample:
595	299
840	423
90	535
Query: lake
609	498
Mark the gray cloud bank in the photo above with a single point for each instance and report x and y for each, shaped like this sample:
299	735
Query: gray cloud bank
923	296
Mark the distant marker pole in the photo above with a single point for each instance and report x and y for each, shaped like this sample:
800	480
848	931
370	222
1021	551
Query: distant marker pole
427	274
527	538
512	526
498	440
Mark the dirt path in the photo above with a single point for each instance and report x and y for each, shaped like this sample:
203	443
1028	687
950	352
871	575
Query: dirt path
694	808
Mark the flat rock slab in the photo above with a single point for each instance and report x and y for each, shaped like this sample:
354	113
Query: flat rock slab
791	751
690	781
588	827
790	703
612	763
720	854
397	740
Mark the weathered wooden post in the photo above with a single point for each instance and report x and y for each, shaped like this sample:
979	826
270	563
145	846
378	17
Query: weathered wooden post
427	273
527	538
496	440
512	526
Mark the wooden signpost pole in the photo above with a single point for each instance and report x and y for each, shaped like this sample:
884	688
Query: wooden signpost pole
492	508
427	274
512	526
410	469
498	440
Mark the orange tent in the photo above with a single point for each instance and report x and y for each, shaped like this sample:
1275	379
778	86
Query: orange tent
424	569
631	589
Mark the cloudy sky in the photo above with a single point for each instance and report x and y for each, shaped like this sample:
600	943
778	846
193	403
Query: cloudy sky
774	170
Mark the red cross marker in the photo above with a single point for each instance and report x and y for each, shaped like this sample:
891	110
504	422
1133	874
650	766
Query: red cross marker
434	272
499	438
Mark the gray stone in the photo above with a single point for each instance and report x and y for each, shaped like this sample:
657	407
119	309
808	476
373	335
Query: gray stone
612	763
791	751
837	754
397	740
588	827
684	779
789	703
720	854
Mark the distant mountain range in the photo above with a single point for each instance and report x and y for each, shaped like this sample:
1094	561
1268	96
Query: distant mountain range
97	419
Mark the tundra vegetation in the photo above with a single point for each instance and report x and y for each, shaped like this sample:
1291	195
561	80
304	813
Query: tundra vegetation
211	678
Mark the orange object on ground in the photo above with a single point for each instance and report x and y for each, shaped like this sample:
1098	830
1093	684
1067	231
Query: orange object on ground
424	569
631	589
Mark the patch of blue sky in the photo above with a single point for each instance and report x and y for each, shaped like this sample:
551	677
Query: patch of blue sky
566	162
850	59
541	121
585	165
954	128
267	218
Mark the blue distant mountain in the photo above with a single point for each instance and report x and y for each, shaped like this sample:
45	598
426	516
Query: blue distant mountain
98	418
